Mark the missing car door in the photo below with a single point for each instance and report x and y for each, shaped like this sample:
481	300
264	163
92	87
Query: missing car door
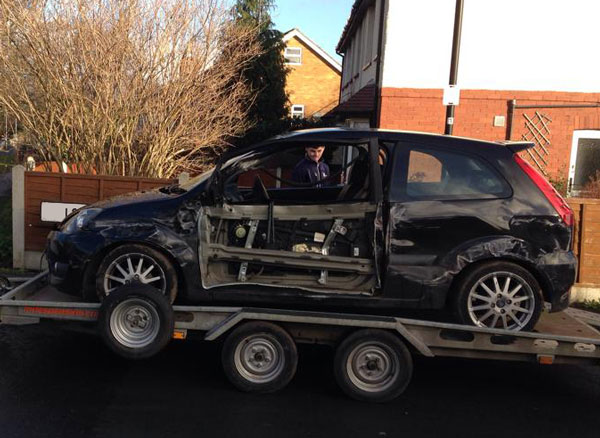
277	228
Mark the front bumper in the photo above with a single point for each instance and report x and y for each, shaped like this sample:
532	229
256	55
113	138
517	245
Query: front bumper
68	256
560	270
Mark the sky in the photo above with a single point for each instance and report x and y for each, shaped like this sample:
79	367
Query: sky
321	20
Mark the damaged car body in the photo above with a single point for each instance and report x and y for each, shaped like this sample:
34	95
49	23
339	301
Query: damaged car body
402	220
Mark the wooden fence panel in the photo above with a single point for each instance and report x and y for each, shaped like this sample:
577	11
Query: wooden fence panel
73	188
586	239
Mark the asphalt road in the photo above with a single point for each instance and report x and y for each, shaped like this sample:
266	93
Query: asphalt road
56	383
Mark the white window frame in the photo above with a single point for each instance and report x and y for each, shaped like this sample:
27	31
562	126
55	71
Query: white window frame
287	55
297	110
578	134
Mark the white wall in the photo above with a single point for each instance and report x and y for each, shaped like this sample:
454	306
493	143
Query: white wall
506	44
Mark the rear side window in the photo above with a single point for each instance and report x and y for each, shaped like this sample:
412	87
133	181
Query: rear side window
437	174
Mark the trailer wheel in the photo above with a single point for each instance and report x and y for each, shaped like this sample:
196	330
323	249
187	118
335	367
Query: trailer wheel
136	321
372	365
5	285
259	357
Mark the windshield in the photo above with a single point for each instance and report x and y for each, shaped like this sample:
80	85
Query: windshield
193	182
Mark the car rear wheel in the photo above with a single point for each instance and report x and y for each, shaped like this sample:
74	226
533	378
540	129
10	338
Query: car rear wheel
136	264
500	295
372	365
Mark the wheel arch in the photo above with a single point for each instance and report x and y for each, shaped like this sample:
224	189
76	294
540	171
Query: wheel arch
543	281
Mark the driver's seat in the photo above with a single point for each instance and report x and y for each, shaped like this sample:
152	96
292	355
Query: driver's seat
358	181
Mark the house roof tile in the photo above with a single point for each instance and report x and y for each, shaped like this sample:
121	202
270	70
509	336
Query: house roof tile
363	101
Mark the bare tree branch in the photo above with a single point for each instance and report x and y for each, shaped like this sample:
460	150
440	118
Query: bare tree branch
129	87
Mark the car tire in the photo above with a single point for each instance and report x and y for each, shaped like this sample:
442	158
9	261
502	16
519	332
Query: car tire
5	285
136	321
372	365
499	295
259	357
121	266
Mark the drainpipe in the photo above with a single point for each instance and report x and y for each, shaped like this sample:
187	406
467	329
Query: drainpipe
511	114
343	55
376	115
337	117
454	62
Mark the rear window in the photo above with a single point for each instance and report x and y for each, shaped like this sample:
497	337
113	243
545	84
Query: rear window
437	174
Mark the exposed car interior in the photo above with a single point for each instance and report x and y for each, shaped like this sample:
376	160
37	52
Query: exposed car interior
271	229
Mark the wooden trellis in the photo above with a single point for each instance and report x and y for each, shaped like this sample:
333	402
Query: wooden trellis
538	131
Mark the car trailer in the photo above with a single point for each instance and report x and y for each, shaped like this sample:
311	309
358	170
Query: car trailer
373	360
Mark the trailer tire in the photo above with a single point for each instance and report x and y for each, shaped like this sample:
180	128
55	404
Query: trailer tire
372	365
5	285
259	357
136	321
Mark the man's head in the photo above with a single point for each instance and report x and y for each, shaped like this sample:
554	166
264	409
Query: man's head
314	153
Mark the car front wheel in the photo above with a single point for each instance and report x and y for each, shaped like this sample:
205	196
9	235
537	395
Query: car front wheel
499	295
136	264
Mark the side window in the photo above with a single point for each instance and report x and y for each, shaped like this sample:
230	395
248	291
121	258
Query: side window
424	168
436	174
308	173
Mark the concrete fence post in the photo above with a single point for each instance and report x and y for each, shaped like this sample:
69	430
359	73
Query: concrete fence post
18	216
183	177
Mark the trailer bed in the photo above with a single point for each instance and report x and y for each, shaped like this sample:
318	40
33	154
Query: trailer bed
559	337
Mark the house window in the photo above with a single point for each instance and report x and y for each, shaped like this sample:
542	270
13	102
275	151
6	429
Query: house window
297	110
293	55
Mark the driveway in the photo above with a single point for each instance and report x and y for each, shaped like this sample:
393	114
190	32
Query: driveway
56	383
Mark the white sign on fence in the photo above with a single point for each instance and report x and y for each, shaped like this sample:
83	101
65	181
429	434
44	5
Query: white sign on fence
57	211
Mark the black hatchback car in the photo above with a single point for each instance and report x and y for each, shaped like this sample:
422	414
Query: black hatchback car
399	220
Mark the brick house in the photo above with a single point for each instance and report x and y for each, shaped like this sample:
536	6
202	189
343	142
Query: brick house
313	81
528	70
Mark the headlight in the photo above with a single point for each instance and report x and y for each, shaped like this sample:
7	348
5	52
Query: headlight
81	220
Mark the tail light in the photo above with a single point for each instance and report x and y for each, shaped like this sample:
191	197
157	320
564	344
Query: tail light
557	201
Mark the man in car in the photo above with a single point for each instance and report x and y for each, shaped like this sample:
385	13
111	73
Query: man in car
311	170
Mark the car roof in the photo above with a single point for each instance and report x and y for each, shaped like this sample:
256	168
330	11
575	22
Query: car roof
342	133
325	135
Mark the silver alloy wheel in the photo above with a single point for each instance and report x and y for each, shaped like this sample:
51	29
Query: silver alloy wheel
501	300
259	358
372	366
134	268
135	323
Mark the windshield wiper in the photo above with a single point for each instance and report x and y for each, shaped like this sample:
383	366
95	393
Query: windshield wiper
173	188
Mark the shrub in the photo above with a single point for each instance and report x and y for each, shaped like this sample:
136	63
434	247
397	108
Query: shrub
560	184
126	87
592	188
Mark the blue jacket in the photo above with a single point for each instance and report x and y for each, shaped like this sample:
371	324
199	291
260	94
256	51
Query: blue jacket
307	171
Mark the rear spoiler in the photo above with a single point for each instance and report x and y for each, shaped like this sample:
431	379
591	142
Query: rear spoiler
517	146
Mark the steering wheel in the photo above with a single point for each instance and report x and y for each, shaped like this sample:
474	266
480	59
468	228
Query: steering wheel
259	190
